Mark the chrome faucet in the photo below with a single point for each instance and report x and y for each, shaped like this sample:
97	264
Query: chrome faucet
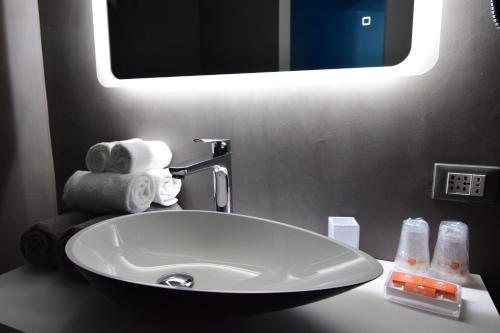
220	164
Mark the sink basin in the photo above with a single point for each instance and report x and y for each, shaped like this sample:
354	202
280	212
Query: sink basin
213	263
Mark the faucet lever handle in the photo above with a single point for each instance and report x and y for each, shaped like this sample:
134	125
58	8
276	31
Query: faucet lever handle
219	146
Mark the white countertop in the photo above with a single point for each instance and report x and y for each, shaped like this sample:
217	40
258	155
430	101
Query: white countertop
34	300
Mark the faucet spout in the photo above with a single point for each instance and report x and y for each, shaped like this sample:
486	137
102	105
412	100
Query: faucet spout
220	164
193	166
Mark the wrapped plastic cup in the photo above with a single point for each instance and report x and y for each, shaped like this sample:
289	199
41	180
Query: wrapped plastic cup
451	255
413	249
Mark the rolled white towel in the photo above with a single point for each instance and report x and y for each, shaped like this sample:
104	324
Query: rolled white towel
128	157
166	187
97	158
108	192
171	202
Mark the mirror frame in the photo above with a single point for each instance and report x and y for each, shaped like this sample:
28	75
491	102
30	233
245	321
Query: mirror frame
423	56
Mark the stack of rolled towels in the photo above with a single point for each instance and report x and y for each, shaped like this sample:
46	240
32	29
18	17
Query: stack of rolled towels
124	176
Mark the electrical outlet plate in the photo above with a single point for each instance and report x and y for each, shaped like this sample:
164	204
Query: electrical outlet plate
466	183
458	183
478	185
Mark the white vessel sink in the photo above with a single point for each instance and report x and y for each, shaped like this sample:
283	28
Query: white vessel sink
214	263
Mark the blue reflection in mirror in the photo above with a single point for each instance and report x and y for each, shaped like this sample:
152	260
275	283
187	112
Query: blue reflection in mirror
337	34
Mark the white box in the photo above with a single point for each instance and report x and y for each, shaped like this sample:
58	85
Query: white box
440	304
344	229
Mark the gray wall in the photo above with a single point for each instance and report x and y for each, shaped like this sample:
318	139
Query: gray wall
27	186
304	152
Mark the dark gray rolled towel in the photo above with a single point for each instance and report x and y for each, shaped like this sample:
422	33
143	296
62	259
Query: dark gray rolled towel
39	241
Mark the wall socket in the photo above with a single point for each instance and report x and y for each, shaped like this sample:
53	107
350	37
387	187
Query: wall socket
466	183
458	183
478	185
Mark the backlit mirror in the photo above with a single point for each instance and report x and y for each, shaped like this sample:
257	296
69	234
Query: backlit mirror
165	38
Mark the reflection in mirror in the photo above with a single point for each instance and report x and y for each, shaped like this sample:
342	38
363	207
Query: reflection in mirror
495	12
164	38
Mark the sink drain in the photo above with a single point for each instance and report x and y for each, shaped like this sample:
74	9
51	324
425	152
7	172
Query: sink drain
177	280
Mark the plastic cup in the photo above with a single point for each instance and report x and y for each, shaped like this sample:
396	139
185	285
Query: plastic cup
413	250
451	254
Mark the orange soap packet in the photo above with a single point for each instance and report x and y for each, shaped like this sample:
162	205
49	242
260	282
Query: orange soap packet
400	278
420	290
446	289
